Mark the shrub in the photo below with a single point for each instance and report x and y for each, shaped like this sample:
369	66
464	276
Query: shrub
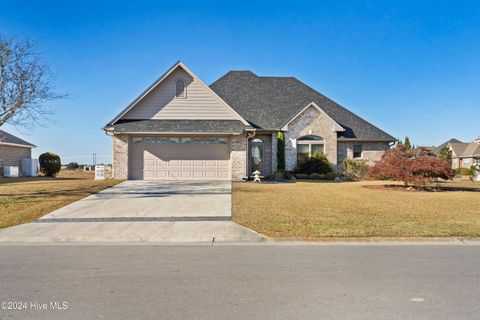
318	163
328	176
464	171
412	166
49	164
281	151
73	166
355	169
302	176
282	175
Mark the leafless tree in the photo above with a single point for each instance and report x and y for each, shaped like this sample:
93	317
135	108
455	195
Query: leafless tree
25	84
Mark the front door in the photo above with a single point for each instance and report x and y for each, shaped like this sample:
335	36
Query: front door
256	155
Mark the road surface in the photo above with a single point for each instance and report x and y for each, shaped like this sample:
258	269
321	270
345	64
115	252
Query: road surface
240	282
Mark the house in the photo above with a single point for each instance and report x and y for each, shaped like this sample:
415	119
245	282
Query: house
436	150
465	155
13	149
180	128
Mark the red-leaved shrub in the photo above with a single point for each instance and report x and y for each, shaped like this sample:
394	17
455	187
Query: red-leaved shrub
417	167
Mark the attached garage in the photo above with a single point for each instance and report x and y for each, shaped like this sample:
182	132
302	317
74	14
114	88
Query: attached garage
179	158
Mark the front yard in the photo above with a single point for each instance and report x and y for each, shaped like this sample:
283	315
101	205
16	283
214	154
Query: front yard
316	210
26	199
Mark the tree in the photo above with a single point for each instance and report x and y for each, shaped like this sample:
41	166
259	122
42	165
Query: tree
417	167
25	84
73	166
281	151
408	143
50	164
446	154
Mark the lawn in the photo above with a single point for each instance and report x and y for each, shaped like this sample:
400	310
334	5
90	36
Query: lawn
309	210
26	199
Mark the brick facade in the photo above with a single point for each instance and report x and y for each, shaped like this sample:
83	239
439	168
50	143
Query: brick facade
371	151
238	157
120	156
310	122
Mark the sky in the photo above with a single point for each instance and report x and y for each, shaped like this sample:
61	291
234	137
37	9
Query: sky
412	68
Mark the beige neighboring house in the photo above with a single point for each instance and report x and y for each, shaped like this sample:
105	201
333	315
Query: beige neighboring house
465	155
181	129
12	150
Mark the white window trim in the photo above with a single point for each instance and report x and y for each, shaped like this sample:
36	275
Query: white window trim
309	143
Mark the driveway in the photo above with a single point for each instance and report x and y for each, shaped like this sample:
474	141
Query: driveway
142	211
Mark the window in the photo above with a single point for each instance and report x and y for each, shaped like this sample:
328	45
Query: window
186	140
173	140
180	88
136	140
308	146
222	140
162	140
357	151
211	140
148	140
199	140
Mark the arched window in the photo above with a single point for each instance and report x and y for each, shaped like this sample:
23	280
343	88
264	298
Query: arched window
308	146
180	88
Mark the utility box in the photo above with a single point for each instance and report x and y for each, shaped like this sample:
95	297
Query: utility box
10	171
100	172
30	167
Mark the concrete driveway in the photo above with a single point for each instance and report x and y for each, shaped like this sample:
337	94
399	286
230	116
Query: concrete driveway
142	211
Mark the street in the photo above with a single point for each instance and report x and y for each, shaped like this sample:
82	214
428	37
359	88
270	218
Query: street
240	282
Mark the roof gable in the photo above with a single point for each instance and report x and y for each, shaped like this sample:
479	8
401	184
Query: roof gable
11	140
270	102
336	126
159	101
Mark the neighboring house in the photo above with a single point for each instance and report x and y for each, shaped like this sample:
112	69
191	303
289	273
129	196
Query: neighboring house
464	155
12	150
436	150
180	128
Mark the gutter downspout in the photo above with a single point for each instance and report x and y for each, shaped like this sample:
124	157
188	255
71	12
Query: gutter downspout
249	136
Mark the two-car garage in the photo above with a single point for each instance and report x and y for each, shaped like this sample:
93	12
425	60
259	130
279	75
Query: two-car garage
179	158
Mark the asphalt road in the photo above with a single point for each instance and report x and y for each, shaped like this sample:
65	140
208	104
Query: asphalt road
242	282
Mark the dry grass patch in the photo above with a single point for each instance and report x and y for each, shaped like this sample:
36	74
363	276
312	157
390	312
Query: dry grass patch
309	210
26	199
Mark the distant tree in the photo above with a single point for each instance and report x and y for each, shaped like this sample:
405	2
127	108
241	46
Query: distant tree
50	164
399	142
408	143
446	154
417	167
73	166
25	84
281	151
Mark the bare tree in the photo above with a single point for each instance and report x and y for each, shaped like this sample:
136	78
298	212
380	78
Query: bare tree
25	84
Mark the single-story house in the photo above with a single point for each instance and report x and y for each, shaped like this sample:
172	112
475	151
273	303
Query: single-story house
12	150
180	128
465	155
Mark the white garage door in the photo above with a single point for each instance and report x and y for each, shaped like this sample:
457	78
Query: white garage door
179	158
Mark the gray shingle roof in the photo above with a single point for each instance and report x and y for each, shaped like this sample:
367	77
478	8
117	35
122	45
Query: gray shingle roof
269	102
175	126
7	138
437	150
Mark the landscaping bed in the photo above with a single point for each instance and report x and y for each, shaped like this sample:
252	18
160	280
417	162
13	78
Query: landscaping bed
309	210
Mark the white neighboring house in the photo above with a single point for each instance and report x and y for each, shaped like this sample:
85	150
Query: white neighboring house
13	150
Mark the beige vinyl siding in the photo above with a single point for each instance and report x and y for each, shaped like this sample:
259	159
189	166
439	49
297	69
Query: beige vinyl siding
200	103
11	156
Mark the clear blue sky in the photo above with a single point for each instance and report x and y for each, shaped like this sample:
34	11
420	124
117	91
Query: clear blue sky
410	67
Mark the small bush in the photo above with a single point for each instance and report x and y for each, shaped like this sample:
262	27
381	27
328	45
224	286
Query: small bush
328	176
355	169
463	171
282	175
50	164
318	163
301	176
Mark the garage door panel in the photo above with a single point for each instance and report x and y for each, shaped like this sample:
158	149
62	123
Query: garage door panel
172	161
